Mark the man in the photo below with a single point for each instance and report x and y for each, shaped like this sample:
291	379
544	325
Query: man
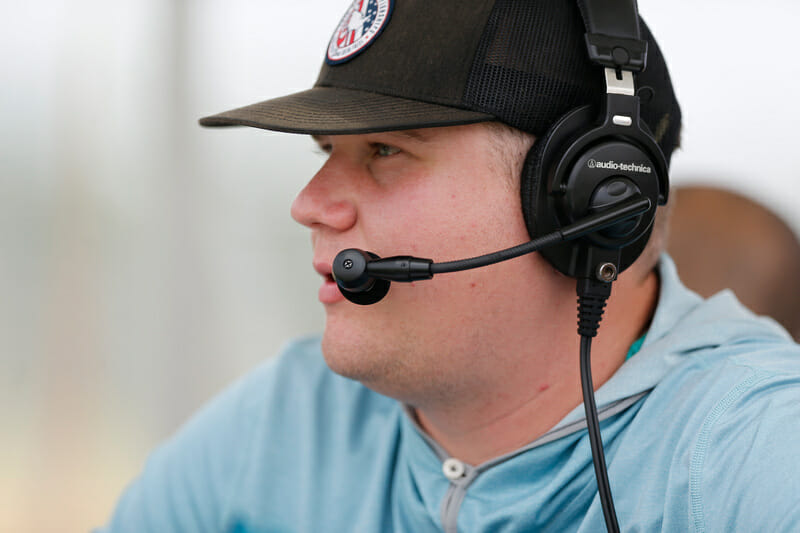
722	240
455	404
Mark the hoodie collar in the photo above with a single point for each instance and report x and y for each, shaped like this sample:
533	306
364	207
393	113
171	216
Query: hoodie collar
683	323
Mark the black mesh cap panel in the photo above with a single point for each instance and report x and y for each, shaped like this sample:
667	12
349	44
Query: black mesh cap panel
532	66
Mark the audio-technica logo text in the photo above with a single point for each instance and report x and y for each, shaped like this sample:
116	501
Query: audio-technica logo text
625	167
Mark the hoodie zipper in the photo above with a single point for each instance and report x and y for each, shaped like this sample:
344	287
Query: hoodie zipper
456	491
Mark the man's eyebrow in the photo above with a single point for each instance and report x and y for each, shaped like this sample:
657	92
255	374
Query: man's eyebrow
418	135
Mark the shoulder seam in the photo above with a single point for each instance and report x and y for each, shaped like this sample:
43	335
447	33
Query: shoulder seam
697	461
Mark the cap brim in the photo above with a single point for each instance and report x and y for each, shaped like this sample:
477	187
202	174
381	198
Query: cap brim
336	111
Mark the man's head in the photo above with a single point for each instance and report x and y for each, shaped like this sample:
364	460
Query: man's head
408	109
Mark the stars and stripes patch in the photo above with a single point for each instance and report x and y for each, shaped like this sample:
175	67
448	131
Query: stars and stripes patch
362	23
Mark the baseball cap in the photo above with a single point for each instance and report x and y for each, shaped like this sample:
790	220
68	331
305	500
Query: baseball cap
408	64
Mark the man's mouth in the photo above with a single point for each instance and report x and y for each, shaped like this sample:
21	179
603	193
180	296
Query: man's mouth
329	292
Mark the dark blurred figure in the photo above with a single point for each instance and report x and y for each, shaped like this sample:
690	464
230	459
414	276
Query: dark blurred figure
720	240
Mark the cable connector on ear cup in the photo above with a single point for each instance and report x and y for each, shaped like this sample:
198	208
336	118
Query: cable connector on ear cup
592	297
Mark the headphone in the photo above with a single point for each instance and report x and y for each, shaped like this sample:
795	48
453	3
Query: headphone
590	161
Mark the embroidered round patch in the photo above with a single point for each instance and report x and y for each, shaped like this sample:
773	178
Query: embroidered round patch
361	24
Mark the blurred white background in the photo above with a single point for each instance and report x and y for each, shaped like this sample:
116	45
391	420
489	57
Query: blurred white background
146	262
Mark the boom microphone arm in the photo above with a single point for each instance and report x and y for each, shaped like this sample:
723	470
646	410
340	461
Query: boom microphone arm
364	278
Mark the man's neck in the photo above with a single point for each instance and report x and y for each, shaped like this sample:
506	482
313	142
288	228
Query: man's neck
533	398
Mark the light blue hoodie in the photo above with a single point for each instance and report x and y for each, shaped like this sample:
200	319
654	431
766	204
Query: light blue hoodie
701	431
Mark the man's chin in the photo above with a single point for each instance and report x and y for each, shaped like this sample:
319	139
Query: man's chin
362	360
348	358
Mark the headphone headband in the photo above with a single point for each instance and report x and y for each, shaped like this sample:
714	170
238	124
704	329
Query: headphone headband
595	157
613	38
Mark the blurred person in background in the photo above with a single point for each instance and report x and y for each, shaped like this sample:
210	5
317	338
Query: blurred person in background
455	404
722	240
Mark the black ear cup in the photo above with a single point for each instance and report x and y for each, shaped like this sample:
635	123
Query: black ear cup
529	183
541	158
580	168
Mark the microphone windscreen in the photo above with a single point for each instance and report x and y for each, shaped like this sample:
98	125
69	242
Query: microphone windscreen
374	294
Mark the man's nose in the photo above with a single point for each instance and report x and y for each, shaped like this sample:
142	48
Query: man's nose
328	198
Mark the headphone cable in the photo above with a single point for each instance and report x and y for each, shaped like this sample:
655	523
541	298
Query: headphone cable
592	297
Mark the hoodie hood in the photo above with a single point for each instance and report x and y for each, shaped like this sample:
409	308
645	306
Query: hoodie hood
683	325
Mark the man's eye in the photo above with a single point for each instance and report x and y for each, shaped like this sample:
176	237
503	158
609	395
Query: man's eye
384	150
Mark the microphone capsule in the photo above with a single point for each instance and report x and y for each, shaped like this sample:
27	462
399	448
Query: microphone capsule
350	269
350	273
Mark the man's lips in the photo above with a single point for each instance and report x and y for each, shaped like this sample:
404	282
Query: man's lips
329	292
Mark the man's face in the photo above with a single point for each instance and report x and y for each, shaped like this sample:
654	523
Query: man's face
441	193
